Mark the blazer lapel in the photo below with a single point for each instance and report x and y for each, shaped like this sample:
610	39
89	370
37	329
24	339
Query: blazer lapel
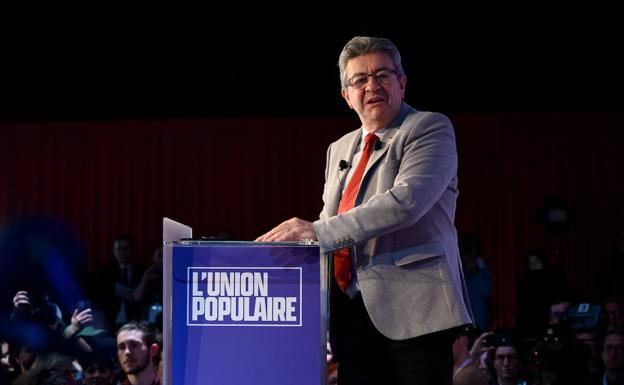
376	155
344	153
391	131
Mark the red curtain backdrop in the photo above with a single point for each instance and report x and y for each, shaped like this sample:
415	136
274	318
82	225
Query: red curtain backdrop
243	176
509	165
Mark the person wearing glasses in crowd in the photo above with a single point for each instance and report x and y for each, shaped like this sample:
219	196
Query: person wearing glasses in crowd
613	359
388	218
507	365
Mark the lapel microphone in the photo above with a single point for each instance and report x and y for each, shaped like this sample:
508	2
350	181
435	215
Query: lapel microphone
343	164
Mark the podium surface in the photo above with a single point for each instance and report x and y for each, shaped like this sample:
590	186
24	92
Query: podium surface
244	313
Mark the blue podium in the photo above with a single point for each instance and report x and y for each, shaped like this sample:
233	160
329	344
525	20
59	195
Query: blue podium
238	313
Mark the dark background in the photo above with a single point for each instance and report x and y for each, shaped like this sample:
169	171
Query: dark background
105	60
113	115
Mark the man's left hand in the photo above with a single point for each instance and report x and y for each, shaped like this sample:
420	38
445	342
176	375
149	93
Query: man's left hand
294	229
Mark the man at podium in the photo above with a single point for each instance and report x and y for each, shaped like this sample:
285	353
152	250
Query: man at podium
388	219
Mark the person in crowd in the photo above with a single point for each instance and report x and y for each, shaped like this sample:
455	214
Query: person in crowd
60	362
48	318
7	366
612	359
98	368
44	376
615	314
136	348
466	359
150	288
478	279
23	356
116	282
557	311
507	365
590	338
540	287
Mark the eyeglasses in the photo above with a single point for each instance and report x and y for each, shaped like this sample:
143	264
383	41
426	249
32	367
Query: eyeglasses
382	76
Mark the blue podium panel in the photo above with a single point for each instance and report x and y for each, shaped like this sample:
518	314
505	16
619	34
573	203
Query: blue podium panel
247	313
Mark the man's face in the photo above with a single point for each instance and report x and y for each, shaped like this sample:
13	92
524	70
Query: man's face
506	362
613	352
378	102
557	311
134	356
122	251
97	374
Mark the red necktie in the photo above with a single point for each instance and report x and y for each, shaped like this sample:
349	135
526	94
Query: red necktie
342	257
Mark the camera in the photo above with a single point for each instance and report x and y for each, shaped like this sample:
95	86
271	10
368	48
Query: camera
82	305
583	317
40	309
557	356
497	339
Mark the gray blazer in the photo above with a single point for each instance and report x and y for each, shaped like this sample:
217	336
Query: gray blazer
406	253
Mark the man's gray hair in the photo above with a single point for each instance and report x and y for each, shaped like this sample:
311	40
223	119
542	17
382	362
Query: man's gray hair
362	45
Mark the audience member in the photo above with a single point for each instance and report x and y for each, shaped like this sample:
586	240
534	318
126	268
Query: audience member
613	359
47	329
7	368
541	286
116	282
136	348
478	278
98	368
557	311
23	356
507	365
591	340
98	335
615	314
558	357
466	360
44	377
55	360
149	291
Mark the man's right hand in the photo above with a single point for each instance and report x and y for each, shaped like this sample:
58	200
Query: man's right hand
294	229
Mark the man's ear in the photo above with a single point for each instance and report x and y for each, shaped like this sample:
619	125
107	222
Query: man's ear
345	95
402	84
154	349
